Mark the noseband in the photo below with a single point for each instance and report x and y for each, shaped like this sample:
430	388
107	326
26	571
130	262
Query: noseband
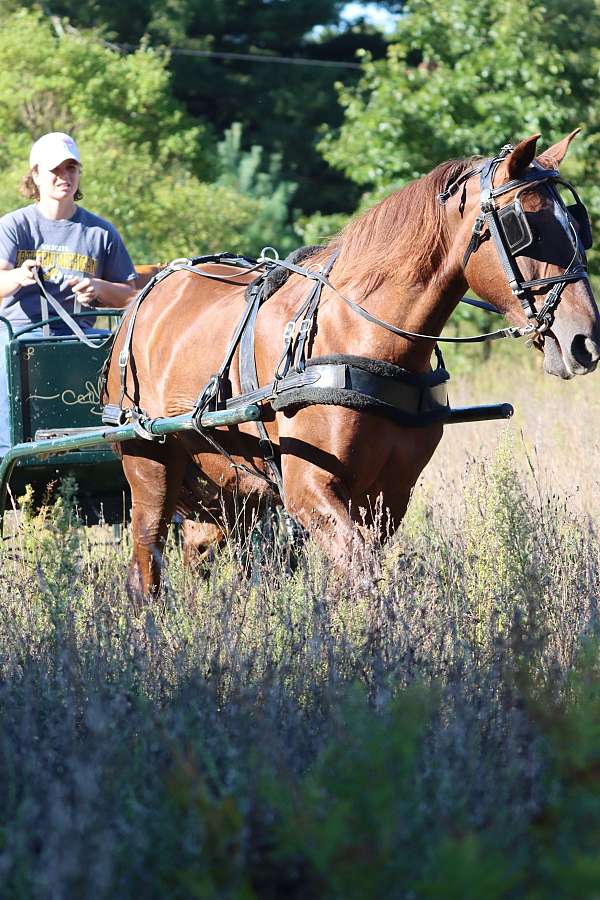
511	234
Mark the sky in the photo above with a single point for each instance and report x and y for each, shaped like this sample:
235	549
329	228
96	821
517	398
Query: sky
372	12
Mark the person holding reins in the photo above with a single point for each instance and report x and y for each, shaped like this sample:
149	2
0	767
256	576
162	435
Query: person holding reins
79	257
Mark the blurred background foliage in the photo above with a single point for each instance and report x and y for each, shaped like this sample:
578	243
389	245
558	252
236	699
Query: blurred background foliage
190	147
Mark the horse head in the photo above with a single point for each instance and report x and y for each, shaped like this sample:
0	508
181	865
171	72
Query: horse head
521	233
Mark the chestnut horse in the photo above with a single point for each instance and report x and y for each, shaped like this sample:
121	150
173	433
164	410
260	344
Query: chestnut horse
404	260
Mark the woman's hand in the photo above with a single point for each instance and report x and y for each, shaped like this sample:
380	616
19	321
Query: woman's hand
85	290
24	275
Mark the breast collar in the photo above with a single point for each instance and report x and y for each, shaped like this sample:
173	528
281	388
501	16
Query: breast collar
488	216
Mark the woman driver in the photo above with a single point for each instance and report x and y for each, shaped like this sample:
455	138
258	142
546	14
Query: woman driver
80	256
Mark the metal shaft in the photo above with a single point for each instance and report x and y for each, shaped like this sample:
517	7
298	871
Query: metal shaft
116	435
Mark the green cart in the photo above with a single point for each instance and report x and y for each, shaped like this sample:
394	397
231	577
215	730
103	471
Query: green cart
55	422
54	393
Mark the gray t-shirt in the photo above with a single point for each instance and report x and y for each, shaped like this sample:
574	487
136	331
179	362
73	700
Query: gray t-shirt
82	246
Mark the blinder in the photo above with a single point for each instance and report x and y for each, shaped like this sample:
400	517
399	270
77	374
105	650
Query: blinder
579	214
518	233
515	227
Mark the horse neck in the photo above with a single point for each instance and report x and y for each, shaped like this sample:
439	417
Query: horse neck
409	303
400	261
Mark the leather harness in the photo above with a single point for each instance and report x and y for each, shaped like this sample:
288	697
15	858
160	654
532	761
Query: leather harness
406	397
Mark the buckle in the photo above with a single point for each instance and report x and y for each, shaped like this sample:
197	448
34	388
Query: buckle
142	425
266	447
123	357
113	415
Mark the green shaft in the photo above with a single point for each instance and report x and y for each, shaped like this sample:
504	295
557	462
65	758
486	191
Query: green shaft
116	435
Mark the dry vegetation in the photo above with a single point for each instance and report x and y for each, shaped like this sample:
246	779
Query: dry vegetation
266	732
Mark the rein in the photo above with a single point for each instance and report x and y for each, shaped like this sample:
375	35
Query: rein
319	276
47	300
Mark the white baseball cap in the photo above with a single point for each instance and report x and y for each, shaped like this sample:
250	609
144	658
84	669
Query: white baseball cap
52	149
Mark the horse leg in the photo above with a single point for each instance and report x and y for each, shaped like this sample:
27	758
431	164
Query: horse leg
200	540
321	503
155	480
346	470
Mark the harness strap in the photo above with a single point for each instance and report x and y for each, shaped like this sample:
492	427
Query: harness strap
287	356
410	393
507	262
212	390
481	304
249	383
125	353
308	322
46	300
176	265
510	332
576	275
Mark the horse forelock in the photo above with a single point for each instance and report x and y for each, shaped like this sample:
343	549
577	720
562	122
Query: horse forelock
403	236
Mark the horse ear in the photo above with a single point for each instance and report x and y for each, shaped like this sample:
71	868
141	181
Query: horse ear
521	157
553	156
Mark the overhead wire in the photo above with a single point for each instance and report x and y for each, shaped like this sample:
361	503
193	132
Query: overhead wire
61	28
252	57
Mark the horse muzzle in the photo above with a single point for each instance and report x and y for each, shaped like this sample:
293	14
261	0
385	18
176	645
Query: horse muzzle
568	355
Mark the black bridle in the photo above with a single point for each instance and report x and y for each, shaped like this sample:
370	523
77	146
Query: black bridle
508	227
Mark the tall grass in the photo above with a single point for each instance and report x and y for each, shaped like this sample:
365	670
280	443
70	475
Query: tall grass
261	732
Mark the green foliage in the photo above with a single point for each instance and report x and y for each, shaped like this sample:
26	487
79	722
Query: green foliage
140	151
499	534
463	78
242	171
245	738
73	82
350	818
50	538
319	228
279	105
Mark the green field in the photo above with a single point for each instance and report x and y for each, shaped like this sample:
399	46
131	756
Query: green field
266	733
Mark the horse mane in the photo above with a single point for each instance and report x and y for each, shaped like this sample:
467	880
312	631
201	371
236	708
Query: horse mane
404	235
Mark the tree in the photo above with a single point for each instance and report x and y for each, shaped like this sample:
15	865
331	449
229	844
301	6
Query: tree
140	150
463	78
280	105
245	172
